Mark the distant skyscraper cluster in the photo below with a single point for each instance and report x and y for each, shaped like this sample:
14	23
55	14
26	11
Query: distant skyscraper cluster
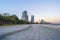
26	18
44	22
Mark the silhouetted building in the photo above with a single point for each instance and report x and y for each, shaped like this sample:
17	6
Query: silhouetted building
24	16
44	22
32	18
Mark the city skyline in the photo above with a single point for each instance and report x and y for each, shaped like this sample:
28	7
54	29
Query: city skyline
47	10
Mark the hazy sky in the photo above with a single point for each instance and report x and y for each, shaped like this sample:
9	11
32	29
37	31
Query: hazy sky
49	10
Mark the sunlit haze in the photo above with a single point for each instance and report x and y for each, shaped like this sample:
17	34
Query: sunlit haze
49	10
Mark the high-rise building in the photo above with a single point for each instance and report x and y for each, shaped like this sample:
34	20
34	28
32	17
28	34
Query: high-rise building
32	18
42	21
24	15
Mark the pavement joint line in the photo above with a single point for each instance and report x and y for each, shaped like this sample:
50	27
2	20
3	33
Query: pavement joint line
11	33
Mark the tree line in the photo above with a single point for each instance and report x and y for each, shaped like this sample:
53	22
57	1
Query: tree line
5	18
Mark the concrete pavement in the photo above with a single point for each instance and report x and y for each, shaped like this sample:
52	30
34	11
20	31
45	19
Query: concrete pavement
36	32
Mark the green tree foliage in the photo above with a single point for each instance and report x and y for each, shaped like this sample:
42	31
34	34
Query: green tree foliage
10	19
1	17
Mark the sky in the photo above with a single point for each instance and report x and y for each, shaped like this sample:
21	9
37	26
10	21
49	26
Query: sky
48	10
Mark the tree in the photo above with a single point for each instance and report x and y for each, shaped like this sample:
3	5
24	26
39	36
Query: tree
15	16
1	17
